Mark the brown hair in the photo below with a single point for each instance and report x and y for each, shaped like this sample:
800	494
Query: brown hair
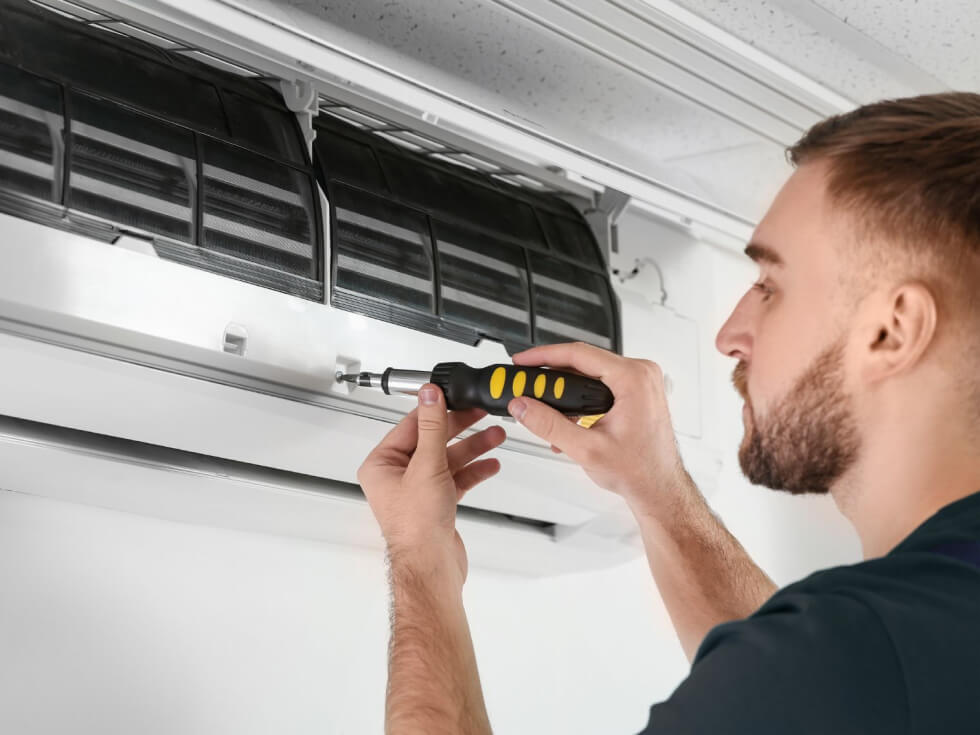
908	170
909	167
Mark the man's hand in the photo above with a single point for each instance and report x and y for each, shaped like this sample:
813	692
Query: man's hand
413	481
632	450
703	573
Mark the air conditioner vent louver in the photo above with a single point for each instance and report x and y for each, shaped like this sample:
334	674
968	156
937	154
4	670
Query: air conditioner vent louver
109	135
421	242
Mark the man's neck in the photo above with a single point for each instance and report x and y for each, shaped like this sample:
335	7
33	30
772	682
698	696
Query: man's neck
903	477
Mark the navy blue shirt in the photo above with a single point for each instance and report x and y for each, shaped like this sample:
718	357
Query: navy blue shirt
890	645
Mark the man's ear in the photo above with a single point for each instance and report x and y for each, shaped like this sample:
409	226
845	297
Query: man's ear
899	330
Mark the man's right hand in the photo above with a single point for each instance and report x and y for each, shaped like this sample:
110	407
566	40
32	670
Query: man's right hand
631	451
703	573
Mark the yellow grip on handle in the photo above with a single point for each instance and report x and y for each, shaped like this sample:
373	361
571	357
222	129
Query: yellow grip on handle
520	380
540	383
497	382
491	388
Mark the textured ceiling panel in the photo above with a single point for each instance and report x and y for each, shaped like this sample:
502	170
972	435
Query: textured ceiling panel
772	27
489	55
538	75
940	36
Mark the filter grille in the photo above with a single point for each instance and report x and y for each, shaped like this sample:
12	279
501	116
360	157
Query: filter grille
101	132
452	251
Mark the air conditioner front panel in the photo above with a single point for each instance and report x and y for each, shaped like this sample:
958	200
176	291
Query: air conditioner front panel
114	398
108	300
113	334
78	467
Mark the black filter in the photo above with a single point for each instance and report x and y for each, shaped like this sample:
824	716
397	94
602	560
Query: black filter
425	244
382	250
483	282
31	136
258	210
572	237
438	188
107	135
131	169
571	303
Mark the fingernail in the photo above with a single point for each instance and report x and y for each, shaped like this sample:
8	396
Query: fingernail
428	396
517	408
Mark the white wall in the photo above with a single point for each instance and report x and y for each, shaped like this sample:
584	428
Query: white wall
114	623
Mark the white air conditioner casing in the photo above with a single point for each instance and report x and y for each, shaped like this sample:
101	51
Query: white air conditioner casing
136	383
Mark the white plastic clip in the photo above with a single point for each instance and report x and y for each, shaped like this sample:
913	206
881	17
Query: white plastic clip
235	340
603	216
300	97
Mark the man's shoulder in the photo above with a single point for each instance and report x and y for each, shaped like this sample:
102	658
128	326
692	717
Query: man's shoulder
806	662
851	649
916	610
923	581
829	613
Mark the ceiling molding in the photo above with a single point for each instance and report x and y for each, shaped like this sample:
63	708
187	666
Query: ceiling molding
894	64
644	41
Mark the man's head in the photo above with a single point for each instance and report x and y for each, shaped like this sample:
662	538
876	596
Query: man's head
870	277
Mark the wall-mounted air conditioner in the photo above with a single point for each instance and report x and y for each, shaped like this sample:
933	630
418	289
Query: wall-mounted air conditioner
189	254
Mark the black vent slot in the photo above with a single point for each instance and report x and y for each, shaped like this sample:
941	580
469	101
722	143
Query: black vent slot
131	170
571	237
484	282
571	303
425	244
440	189
210	167
264	128
382	250
258	211
113	66
349	160
31	135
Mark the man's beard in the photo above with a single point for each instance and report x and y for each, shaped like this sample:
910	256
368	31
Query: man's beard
809	439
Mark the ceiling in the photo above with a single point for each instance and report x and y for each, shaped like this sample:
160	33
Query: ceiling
496	58
865	50
938	36
489	55
540	75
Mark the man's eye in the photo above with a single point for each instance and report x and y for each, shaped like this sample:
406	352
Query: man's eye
764	288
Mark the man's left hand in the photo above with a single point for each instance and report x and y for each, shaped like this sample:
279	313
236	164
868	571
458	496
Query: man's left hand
413	481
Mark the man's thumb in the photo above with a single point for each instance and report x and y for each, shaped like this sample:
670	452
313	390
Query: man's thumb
433	428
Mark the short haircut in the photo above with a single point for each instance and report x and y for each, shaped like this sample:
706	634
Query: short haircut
908	172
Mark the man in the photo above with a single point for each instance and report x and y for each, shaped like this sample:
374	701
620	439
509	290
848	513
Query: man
859	361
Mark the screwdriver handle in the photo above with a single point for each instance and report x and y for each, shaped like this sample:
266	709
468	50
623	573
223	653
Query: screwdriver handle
493	387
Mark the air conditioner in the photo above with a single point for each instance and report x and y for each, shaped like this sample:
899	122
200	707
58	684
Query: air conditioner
204	218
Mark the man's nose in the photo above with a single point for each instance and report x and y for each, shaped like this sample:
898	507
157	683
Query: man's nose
735	336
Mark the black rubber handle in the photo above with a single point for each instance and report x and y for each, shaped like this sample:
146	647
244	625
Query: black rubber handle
493	387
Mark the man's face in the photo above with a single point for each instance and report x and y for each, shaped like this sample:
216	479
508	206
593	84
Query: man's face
800	432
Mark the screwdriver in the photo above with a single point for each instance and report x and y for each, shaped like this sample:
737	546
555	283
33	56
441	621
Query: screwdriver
493	387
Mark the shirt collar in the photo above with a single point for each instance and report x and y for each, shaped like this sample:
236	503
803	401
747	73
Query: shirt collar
958	521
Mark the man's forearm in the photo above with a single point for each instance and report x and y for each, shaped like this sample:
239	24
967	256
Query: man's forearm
433	683
704	575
